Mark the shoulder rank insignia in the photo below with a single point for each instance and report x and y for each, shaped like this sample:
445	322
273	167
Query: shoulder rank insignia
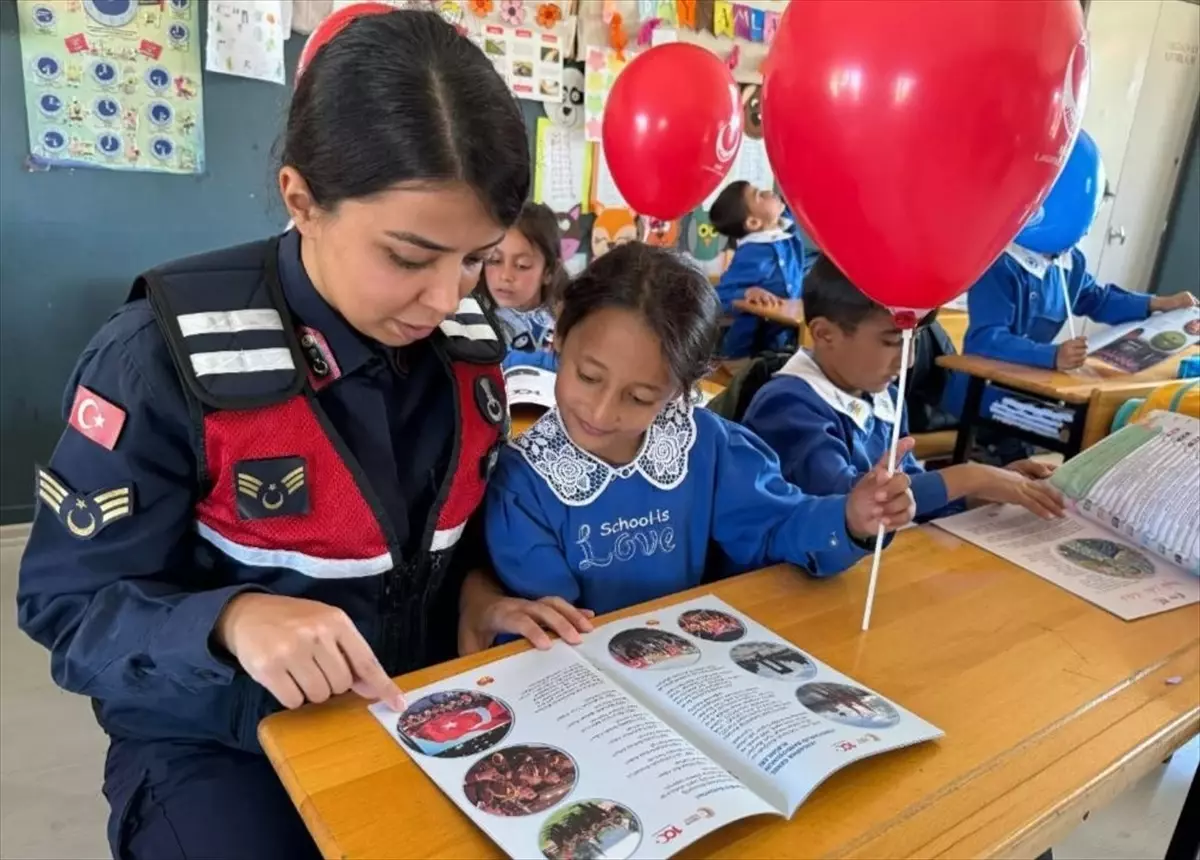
83	515
271	488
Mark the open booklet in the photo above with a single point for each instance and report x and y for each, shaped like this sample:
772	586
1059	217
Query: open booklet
656	731
1130	543
1136	346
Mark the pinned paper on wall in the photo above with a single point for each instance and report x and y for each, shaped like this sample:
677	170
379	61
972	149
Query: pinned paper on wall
288	8
562	167
531	62
245	38
604	190
113	86
750	165
601	67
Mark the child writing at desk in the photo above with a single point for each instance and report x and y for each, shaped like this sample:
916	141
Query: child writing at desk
767	266
525	277
615	495
829	412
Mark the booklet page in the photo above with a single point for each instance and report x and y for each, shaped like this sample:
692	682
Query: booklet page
552	760
1079	556
1136	346
778	719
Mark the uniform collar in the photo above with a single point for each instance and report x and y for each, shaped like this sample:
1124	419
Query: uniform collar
857	409
1035	263
350	350
766	237
578	478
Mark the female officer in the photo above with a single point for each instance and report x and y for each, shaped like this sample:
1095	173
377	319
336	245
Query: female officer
274	450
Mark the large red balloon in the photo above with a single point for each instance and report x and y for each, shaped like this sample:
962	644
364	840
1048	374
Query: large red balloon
672	127
334	24
913	138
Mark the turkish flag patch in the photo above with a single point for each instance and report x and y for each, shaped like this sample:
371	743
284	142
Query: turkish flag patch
96	418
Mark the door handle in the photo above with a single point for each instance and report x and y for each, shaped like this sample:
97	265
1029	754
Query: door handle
1116	236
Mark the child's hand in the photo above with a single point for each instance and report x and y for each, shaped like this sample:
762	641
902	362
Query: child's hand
528	618
1034	470
1175	302
876	499
759	296
1071	353
1015	488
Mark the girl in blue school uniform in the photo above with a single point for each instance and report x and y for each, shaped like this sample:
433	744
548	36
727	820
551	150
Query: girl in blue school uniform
525	276
829	412
615	496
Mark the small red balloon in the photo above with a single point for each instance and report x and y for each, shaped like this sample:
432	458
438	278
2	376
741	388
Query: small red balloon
334	24
672	128
914	138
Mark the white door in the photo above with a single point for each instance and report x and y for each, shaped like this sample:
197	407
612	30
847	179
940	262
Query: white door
1145	87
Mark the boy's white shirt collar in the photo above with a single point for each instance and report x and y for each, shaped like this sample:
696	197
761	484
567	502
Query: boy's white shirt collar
803	366
1037	264
766	237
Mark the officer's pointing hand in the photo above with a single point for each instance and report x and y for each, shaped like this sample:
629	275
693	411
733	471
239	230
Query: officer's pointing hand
302	650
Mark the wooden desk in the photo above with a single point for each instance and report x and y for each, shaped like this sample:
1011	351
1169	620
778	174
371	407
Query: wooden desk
524	416
790	312
1070	389
1050	706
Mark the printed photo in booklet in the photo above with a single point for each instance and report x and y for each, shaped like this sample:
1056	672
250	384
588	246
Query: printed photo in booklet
656	731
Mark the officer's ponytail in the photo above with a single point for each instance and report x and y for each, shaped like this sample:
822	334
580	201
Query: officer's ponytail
402	97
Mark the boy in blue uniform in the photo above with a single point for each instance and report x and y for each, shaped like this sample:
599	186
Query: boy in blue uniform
829	413
1017	309
767	266
615	495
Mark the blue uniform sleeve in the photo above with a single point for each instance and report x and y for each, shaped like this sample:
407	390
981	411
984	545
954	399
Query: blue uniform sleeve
525	548
121	613
1108	304
992	309
759	518
815	453
546	359
751	265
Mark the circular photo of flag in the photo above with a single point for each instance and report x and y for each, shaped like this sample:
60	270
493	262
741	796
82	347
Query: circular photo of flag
520	780
643	648
711	625
454	723
772	660
852	706
592	829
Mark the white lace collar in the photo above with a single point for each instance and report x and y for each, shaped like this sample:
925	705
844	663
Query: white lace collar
802	366
766	237
1035	263
578	478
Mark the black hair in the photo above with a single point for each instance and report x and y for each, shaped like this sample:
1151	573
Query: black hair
402	97
729	211
675	298
538	223
828	293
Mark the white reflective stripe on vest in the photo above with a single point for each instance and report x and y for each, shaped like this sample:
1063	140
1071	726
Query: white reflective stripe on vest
242	361
475	331
317	568
229	322
446	538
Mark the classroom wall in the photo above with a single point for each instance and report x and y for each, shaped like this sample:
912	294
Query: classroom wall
1178	266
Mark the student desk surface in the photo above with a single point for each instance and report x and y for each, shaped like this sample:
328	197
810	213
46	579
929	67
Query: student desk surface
791	312
1073	389
1050	706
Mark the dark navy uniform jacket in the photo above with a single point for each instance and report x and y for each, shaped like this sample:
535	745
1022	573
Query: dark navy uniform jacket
324	491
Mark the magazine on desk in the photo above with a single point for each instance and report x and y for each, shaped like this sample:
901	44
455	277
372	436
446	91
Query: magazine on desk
1130	543
1136	346
656	731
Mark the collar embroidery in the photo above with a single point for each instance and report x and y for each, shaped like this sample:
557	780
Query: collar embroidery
802	366
578	478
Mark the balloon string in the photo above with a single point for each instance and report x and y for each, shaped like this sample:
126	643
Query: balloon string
905	350
1067	297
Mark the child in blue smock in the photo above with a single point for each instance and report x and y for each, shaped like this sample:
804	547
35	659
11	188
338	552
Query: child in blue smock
524	276
829	412
615	496
767	266
1017	309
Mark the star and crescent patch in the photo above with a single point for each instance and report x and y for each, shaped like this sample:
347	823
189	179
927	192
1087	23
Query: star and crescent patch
271	488
84	515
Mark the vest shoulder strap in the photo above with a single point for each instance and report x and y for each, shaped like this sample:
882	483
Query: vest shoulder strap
472	332
227	326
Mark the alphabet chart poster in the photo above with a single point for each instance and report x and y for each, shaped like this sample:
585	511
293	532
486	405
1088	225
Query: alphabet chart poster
113	84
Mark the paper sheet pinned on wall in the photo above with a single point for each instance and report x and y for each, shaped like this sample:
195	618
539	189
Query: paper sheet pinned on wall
751	164
600	69
245	38
562	167
605	192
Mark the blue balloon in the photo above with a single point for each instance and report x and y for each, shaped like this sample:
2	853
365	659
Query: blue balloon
1071	206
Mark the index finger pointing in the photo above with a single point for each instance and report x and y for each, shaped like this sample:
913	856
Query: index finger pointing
371	682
